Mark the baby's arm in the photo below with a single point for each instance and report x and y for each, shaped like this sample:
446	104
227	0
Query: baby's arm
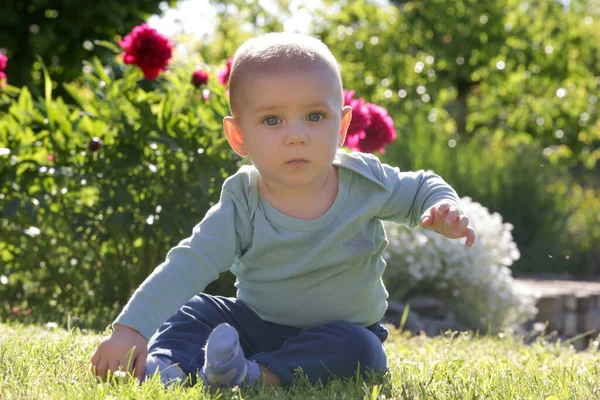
424	198
189	267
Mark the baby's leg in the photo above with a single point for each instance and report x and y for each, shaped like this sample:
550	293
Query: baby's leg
179	344
336	350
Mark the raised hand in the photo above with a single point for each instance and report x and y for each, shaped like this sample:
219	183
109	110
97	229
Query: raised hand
448	220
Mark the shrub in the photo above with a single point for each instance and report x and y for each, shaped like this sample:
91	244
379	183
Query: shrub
476	281
96	189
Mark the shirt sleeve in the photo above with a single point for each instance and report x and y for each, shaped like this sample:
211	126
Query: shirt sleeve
190	266
411	193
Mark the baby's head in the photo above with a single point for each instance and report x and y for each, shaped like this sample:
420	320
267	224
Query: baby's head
277	53
287	104
288	113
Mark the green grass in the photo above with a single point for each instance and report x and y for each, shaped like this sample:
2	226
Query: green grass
42	363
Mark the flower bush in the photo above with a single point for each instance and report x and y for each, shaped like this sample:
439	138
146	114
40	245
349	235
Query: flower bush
476	281
95	190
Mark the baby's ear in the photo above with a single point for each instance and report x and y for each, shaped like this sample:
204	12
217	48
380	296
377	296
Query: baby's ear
234	136
346	118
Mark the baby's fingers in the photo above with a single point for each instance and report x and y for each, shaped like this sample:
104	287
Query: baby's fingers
140	364
453	216
99	369
470	237
461	225
427	217
94	361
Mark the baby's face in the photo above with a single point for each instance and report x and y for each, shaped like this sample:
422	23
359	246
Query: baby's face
291	122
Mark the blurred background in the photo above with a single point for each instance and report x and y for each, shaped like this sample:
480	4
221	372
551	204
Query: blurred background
102	171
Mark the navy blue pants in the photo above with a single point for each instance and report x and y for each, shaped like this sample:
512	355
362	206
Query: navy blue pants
337	349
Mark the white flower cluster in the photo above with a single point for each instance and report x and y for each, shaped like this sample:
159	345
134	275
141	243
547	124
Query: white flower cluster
476	281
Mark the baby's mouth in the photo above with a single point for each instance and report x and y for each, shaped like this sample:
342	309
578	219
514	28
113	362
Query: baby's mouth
297	161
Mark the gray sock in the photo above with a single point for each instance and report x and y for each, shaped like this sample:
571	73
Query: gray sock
225	363
170	372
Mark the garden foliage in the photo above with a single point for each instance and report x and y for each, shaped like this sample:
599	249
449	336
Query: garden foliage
499	99
95	191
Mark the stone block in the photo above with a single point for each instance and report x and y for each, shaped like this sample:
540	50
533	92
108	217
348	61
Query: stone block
569	325
585	303
595	320
569	302
550	310
589	321
428	306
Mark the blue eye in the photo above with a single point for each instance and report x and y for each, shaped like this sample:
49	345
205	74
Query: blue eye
271	121
315	117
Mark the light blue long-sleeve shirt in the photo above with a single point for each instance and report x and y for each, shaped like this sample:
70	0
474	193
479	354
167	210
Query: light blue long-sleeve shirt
294	272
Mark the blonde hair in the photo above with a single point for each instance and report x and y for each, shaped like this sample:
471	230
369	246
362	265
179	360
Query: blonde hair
279	52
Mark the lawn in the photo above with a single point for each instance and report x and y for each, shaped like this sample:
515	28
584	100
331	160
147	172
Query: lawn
53	363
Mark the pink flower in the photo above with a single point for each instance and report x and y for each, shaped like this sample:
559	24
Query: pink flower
147	49
2	79
50	158
3	62
381	132
360	114
224	75
199	78
371	127
352	140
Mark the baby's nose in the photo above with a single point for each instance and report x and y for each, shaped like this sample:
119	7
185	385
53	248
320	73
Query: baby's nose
296	134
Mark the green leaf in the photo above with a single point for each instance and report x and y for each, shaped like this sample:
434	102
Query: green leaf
109	45
11	90
87	105
404	317
163	111
100	71
25	100
47	82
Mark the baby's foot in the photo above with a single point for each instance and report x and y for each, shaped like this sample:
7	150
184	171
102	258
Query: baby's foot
170	372
225	363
